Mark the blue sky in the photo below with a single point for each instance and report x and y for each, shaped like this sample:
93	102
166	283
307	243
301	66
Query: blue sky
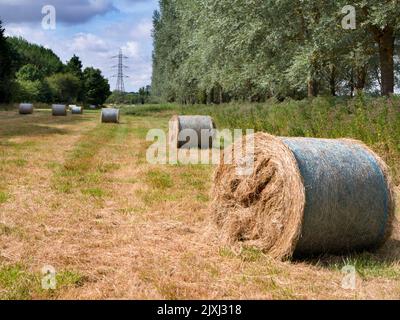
92	29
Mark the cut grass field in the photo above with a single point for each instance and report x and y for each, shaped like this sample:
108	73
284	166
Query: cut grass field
79	196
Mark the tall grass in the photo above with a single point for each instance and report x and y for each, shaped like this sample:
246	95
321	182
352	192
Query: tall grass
375	121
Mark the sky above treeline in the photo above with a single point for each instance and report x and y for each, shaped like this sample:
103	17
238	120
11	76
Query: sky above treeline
94	30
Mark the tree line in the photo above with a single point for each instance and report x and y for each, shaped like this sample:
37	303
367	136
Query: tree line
32	73
143	96
222	50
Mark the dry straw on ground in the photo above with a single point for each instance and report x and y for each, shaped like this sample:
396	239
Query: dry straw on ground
182	127
305	196
142	238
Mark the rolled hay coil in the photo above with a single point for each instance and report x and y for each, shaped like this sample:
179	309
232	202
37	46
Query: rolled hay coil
59	110
92	106
305	197
76	110
26	108
110	115
182	129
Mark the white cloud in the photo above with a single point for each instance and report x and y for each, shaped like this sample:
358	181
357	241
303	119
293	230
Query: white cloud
71	11
142	30
132	50
89	42
141	77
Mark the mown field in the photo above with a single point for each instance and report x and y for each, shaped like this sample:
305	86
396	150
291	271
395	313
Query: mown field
80	196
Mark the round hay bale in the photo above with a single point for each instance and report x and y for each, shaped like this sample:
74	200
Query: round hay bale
59	110
76	110
203	127
110	115
305	196
93	107
26	108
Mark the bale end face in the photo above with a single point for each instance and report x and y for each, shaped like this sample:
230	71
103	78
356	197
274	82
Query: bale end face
110	115
188	132
59	110
76	110
304	197
25	108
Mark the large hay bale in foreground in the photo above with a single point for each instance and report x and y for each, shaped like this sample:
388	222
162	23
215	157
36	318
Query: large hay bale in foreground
202	127
59	110
110	115
26	108
305	196
76	110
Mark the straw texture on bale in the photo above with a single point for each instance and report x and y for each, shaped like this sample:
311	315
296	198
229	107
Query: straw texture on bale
59	110
305	196
110	115
26	108
202	126
76	110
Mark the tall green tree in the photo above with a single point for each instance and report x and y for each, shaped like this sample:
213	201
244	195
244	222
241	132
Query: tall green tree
30	85
219	50
65	87
27	53
382	20
5	67
30	72
97	88
74	66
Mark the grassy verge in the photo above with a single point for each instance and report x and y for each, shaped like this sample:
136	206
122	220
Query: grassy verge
18	283
82	171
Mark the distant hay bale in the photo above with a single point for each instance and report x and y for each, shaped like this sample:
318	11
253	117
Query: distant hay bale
76	110
92	106
202	127
305	196
59	110
26	108
110	115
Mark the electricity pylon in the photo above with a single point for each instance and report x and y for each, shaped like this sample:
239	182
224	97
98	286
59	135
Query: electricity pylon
120	87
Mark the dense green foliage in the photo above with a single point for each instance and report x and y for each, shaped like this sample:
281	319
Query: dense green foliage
222	50
27	53
5	67
74	66
96	87
65	87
